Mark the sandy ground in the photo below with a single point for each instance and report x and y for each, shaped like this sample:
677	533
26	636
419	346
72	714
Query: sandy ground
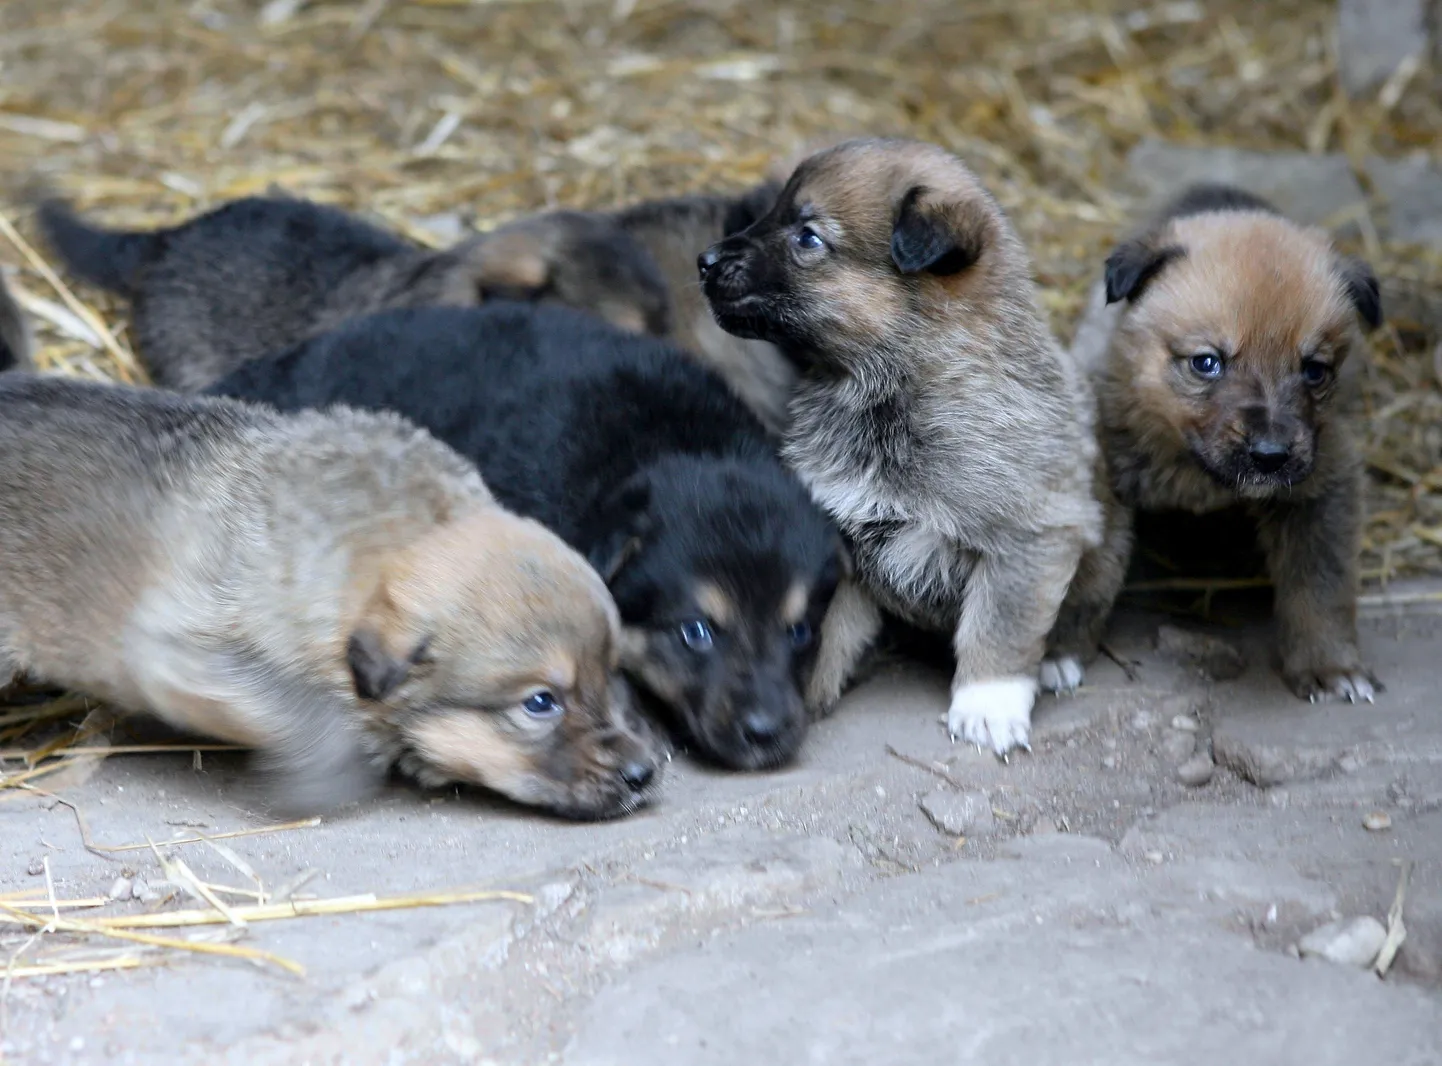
891	898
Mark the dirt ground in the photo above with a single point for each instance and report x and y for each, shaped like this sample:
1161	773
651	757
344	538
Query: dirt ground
1136	890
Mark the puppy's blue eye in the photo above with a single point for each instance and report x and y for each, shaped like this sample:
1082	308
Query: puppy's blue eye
697	635
807	238
1207	365
1315	372
800	634
542	705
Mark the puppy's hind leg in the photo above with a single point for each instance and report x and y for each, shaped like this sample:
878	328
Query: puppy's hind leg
850	628
1011	602
1076	637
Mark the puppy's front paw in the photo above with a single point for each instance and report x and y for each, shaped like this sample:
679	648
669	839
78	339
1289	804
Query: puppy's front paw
1063	674
993	714
1324	684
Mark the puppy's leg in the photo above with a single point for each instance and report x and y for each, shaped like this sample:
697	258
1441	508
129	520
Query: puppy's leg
1312	548
1011	602
851	626
1083	617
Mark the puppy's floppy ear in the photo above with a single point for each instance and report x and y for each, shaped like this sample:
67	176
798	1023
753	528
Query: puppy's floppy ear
383	648
1362	289
749	206
627	521
1133	263
937	237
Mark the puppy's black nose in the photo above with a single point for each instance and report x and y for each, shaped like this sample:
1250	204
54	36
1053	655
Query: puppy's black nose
1269	455
759	727
707	260
637	775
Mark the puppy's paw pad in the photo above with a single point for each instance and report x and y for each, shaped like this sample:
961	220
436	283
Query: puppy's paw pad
993	714
1062	674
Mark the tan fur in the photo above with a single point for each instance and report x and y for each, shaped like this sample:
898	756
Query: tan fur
935	418
251	576
716	604
1268	294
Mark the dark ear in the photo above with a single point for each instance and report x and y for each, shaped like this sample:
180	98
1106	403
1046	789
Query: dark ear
748	207
1133	264
936	238
377	671
626	520
1362	290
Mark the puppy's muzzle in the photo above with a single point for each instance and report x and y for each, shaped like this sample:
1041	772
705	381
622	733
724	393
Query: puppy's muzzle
1268	454
723	270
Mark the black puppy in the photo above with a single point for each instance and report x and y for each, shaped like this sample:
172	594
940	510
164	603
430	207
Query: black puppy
256	275
720	564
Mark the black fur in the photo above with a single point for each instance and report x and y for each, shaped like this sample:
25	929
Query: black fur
15	343
112	260
1362	289
1207	196
1132	264
921	242
748	207
638	457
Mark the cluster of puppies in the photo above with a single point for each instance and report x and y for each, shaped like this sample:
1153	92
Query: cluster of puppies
493	515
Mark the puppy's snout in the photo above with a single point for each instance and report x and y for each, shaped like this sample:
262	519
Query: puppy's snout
762	727
1269	454
707	260
637	775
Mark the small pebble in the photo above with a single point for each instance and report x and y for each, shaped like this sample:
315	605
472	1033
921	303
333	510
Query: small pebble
1377	821
1154	857
1178	745
140	889
120	890
77	1044
1353	943
1196	771
1142	721
1186	723
1109	763
36	868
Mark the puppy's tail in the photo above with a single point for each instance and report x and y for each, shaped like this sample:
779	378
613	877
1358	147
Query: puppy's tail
109	259
16	344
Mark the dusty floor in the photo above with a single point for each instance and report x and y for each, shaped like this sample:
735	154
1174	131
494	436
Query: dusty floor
1097	910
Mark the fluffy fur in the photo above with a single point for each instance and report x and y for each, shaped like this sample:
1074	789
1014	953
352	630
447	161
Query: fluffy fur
339	591
1217	337
934	416
720	564
16	342
256	275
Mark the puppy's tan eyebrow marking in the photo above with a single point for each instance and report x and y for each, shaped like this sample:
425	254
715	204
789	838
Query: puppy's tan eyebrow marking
793	607
718	606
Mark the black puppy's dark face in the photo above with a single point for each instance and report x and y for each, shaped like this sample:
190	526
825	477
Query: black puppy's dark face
722	573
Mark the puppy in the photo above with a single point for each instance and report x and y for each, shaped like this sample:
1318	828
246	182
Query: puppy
934	416
259	274
16	341
1216	340
338	590
720	564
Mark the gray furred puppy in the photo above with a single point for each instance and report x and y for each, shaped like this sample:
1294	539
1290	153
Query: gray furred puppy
260	274
1217	339
935	417
16	342
337	590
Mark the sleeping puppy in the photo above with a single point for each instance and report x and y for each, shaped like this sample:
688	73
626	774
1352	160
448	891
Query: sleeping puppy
338	590
720	564
256	275
934	417
16	340
1216	340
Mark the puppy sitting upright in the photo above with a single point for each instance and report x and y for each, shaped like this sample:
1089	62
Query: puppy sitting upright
256	275
1217	351
721	565
935	417
337	590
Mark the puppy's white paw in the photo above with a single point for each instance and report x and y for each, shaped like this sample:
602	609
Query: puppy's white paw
993	714
1062	675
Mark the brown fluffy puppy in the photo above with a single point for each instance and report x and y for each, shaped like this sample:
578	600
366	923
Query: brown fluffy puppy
258	275
934	416
15	338
1216	340
338	590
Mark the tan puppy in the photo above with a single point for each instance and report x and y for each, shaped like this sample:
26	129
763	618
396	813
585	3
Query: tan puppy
336	589
1216	343
934	417
16	341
